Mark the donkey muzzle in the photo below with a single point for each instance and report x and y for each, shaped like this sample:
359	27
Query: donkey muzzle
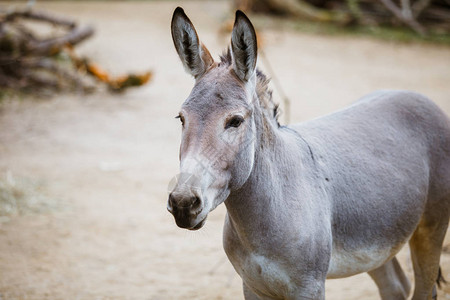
185	208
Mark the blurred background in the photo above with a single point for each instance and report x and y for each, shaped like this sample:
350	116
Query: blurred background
88	140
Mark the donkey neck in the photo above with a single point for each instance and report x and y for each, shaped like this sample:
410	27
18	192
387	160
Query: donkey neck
282	171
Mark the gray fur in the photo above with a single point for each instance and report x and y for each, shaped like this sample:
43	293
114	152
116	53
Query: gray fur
328	198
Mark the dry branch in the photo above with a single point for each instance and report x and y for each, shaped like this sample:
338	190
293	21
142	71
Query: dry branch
28	61
38	16
404	14
54	45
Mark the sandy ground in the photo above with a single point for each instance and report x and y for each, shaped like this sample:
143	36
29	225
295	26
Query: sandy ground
108	159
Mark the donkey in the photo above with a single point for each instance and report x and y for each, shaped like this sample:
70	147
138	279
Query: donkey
327	198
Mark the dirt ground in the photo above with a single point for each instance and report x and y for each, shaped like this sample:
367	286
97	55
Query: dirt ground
107	159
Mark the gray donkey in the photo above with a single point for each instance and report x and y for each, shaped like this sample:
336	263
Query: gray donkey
328	198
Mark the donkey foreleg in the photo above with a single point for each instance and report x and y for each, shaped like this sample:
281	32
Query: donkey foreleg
391	281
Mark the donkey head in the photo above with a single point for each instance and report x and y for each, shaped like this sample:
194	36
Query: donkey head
218	142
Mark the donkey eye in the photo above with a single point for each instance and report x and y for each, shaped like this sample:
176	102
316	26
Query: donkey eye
181	119
236	121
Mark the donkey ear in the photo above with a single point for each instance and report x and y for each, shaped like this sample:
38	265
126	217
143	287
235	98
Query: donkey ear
243	47
194	55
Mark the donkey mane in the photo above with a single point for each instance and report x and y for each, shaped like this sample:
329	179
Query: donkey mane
262	89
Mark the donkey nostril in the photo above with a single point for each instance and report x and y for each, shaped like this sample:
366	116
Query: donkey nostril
170	203
196	202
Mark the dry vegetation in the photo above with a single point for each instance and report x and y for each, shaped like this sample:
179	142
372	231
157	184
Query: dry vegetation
33	61
422	16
